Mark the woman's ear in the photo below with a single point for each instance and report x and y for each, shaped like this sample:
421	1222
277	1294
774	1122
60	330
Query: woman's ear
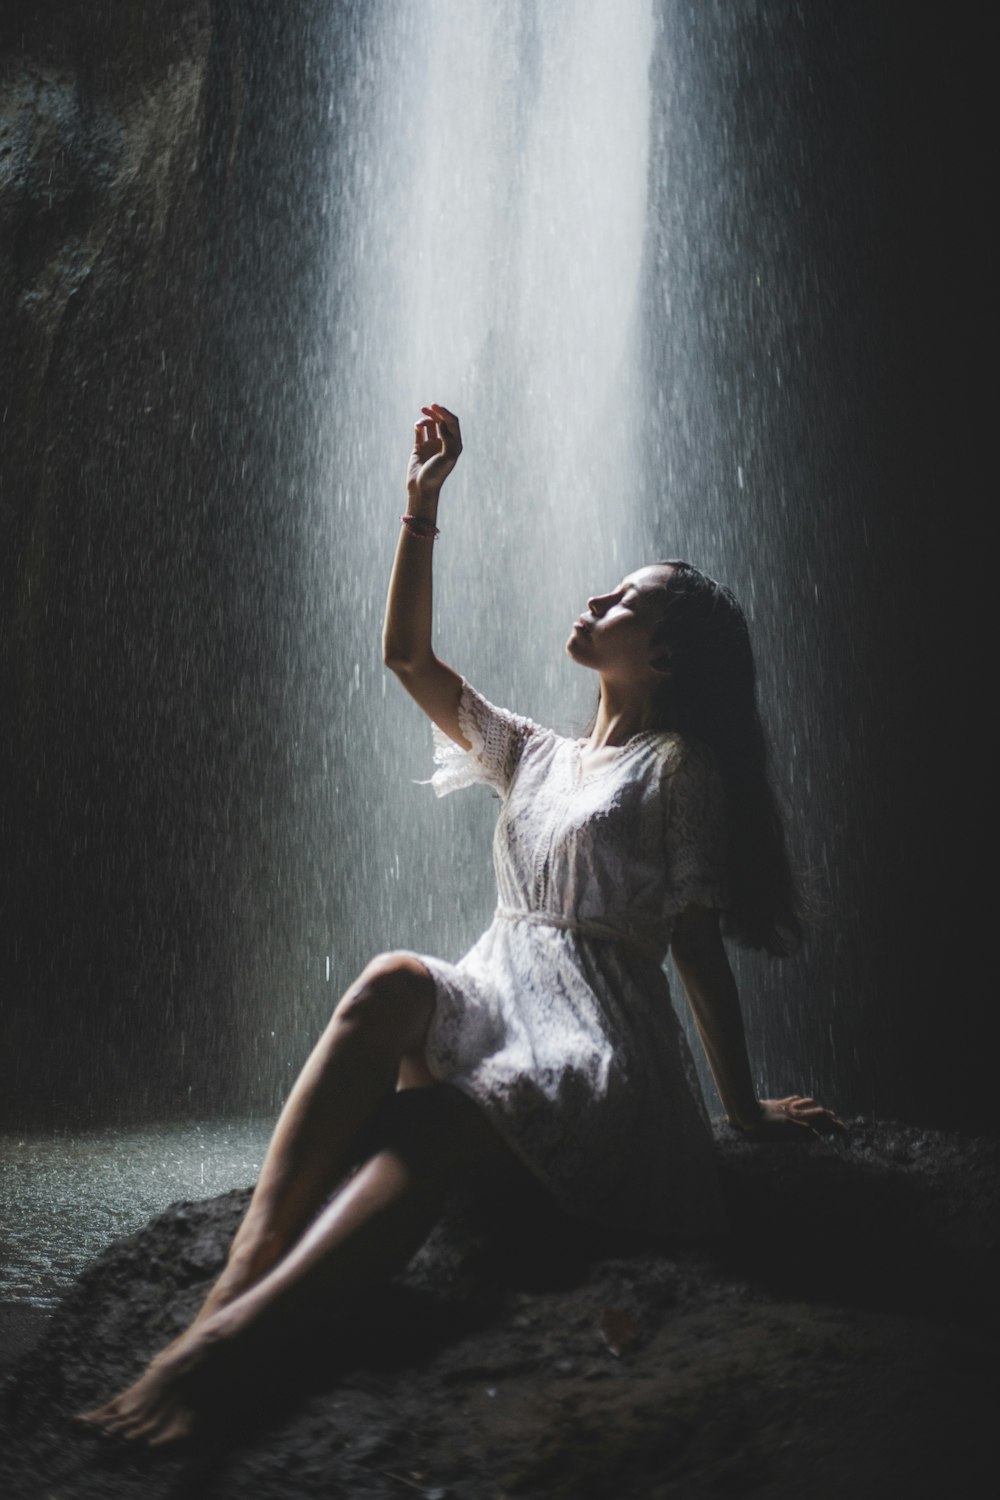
661	663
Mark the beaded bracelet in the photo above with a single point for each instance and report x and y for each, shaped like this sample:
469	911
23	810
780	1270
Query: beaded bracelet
421	526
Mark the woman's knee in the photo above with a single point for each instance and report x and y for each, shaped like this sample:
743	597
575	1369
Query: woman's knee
392	993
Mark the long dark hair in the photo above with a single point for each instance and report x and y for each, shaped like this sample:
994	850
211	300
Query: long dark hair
711	695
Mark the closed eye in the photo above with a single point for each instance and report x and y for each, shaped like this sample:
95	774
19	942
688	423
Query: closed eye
625	595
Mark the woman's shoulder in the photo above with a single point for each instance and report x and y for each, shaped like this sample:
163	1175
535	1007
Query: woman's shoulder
689	775
680	754
693	799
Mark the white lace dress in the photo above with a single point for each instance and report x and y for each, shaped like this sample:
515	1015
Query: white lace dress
559	1022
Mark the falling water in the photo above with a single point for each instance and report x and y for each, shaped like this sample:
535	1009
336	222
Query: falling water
494	264
492	259
548	219
564	221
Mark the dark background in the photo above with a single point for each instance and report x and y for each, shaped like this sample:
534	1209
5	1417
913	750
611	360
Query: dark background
163	260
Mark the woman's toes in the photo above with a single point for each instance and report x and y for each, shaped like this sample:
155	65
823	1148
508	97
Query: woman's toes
120	1427
100	1414
174	1431
140	1432
102	1421
93	1422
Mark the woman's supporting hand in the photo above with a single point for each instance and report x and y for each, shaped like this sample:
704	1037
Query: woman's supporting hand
437	443
787	1119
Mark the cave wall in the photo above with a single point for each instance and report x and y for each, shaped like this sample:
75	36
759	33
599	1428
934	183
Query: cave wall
152	265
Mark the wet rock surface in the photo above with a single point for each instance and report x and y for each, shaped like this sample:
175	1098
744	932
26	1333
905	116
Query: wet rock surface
843	1340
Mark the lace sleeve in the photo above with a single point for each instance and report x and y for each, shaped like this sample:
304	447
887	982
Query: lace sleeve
497	738
694	829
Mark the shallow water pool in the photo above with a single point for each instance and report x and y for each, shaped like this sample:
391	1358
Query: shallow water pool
64	1197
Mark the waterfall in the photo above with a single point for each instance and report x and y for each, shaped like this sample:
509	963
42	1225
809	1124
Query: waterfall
493	262
545	216
489	209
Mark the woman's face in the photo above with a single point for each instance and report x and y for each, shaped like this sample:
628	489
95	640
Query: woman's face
614	633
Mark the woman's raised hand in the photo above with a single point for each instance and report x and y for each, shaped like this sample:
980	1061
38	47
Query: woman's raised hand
437	442
786	1119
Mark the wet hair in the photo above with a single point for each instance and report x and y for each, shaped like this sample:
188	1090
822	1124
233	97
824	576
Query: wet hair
711	695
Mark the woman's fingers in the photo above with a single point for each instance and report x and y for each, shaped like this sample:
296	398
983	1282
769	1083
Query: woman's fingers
426	441
442	433
437	443
445	419
802	1112
440	413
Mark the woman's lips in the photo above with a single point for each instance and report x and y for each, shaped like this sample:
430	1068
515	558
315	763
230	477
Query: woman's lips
582	626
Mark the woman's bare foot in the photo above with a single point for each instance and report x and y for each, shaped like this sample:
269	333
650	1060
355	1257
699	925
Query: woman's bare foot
197	1369
163	1404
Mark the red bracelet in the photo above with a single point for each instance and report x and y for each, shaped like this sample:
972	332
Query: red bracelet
420	526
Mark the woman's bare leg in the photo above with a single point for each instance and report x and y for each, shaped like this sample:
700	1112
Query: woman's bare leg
368	1231
381	1020
380	1023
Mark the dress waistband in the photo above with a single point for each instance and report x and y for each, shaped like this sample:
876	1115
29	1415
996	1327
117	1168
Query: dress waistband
585	929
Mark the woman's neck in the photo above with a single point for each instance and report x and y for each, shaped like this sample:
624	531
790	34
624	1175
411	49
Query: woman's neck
622	712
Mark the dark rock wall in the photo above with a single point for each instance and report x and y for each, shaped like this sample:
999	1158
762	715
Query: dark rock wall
153	278
107	204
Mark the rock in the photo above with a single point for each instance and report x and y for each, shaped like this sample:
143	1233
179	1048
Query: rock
840	1340
160	264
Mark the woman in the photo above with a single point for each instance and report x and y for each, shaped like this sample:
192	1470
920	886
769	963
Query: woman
552	1045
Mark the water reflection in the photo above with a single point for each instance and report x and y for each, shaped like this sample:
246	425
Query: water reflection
64	1197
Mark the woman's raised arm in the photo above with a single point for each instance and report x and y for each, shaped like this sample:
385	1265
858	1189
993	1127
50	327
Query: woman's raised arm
406	635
